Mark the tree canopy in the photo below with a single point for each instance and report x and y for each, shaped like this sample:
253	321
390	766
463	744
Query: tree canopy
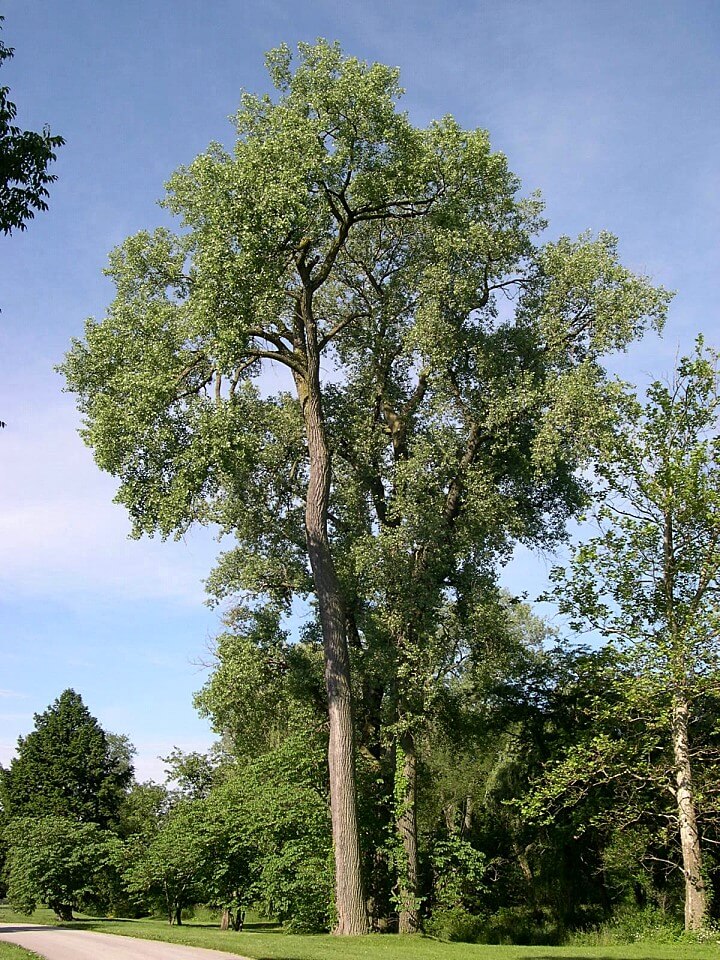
57	861
444	378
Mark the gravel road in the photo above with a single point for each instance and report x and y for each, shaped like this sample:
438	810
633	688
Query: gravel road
58	943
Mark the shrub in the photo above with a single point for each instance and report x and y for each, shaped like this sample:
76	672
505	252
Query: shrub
633	924
522	925
455	924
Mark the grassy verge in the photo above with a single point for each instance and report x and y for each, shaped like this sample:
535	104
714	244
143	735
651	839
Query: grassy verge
8	951
261	944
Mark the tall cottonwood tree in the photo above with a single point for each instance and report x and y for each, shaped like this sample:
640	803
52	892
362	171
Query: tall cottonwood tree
446	454
340	241
197	314
650	582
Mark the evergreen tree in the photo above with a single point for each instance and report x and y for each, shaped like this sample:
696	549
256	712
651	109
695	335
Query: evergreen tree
66	767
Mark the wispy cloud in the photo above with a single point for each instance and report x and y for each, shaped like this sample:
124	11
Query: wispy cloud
62	536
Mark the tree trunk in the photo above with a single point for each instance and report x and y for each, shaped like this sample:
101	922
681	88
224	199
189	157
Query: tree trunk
349	894
225	920
528	873
63	911
695	893
468	811
406	800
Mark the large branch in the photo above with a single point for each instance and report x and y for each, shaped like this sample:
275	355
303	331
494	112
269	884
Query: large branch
454	494
286	358
315	282
339	327
282	342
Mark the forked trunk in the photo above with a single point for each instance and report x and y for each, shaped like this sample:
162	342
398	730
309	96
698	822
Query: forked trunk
406	814
349	894
695	893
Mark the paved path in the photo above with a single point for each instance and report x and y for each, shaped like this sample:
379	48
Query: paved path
59	943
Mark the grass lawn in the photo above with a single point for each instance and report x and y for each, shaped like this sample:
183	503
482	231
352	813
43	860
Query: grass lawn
262	944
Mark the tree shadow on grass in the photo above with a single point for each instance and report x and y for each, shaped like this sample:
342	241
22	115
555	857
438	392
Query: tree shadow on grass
584	956
82	923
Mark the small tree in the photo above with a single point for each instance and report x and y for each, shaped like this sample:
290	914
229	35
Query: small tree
57	861
649	582
172	867
292	830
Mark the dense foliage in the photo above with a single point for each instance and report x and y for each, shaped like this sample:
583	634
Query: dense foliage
58	861
67	766
649	582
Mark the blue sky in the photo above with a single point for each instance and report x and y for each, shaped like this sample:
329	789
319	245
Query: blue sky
611	109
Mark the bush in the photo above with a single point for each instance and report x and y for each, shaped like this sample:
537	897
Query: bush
455	924
709	934
522	925
509	925
297	888
633	924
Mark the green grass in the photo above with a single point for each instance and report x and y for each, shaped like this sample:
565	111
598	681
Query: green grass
262	944
8	951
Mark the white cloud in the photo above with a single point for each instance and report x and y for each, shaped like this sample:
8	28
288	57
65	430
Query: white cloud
62	536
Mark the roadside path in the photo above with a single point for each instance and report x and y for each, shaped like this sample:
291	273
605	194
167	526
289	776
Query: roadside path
59	943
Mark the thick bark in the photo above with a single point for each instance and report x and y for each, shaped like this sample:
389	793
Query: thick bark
695	893
349	894
406	799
